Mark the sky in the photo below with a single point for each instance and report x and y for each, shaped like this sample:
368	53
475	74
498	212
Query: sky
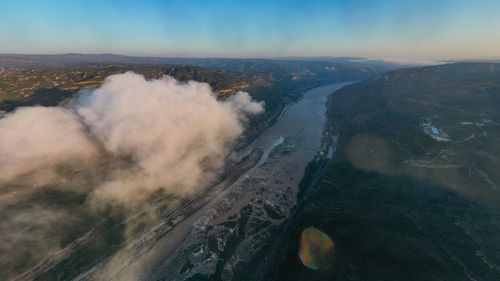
396	29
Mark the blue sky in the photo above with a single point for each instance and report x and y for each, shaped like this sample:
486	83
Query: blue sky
413	29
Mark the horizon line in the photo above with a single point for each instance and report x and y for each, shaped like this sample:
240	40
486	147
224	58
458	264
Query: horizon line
394	60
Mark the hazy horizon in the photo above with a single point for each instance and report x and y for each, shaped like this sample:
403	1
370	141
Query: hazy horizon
427	30
402	61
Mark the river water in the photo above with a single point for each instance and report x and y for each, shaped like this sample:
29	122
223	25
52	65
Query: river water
302	124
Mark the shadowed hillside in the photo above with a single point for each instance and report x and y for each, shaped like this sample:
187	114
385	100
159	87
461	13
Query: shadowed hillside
435	123
413	193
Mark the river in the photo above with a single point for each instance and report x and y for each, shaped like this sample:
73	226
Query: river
248	211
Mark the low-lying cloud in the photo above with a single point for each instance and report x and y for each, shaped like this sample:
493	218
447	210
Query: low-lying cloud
72	175
169	134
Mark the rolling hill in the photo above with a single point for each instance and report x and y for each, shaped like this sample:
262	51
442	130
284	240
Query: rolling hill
413	193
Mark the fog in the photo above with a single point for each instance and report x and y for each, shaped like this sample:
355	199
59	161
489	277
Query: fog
173	134
39	138
112	146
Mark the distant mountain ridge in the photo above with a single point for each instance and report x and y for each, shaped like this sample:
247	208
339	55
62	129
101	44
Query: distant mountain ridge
23	76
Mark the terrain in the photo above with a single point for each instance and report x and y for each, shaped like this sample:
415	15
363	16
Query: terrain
413	192
22	76
53	230
47	80
398	171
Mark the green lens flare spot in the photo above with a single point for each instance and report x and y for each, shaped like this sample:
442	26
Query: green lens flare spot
316	249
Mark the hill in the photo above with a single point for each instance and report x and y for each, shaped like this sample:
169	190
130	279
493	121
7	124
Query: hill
413	193
436	123
49	79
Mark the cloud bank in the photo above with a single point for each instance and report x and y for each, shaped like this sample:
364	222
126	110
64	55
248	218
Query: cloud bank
168	134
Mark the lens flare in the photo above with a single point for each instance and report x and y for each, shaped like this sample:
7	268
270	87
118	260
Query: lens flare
316	249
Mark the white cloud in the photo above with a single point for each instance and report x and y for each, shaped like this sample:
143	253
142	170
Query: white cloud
172	134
